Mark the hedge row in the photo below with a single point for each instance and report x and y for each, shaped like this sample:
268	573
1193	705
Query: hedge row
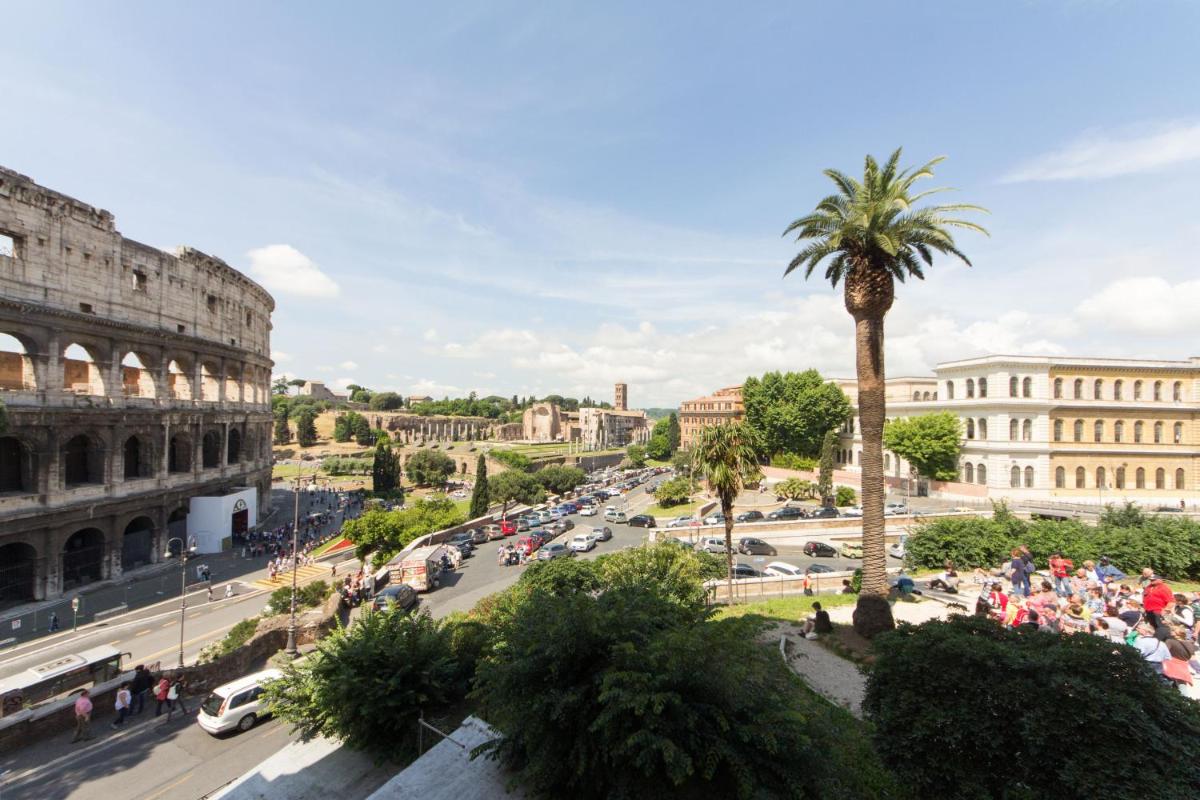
1171	547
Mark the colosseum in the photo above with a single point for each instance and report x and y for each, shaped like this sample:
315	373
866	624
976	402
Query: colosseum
137	390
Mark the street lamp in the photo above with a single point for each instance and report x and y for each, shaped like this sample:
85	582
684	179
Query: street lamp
184	549
291	640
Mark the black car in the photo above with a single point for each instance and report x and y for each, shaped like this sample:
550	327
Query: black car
748	516
745	571
755	547
400	596
824	512
642	521
787	512
463	542
820	550
815	568
562	526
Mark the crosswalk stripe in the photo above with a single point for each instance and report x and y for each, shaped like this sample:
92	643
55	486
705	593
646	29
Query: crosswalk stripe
285	578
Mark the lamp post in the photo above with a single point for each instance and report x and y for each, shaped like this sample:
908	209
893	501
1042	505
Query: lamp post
291	640
184	549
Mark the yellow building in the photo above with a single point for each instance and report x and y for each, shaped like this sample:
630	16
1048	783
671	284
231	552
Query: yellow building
723	405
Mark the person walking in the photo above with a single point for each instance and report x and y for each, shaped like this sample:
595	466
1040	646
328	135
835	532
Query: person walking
83	717
1019	574
1060	570
139	688
161	692
53	622
175	697
210	594
122	705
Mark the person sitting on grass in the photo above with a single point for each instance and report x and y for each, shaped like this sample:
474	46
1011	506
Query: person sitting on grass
818	623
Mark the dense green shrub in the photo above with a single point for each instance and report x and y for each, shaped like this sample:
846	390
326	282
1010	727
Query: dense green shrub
309	595
1168	545
511	459
793	461
845	496
674	492
999	701
237	636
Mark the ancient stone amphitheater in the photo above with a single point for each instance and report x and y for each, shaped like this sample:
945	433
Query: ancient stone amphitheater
134	381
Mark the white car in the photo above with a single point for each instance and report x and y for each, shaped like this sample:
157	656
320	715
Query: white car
715	519
237	704
683	522
588	511
783	569
852	511
896	549
711	545
582	542
459	494
895	509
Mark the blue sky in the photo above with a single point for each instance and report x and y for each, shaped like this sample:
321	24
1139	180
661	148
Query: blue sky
528	198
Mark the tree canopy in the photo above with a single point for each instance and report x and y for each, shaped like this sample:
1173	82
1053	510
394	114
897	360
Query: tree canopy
385	470
385	401
429	468
385	533
306	427
512	486
636	454
480	495
791	411
559	479
930	442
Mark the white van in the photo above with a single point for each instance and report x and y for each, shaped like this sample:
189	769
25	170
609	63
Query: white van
237	704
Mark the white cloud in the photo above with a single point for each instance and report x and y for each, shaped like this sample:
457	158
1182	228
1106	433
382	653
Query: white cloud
340	384
278	356
1150	306
379	348
350	365
284	269
435	389
430	335
1099	155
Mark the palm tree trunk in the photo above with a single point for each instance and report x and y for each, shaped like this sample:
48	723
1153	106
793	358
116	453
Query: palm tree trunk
873	614
727	512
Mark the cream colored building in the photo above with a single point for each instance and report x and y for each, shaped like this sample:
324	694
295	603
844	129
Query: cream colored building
722	406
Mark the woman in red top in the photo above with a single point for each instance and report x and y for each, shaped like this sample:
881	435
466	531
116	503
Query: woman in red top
1157	598
1060	570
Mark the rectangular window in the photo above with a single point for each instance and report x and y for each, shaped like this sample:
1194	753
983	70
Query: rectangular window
86	308
139	281
212	302
181	328
8	245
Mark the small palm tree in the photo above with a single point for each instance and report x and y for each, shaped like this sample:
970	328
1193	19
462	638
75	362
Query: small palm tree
873	236
726	458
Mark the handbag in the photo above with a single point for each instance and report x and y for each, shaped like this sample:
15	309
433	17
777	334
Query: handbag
173	692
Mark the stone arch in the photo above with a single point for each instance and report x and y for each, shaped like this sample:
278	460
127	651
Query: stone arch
82	369
179	457
179	381
18	472
177	527
233	383
18	573
83	557
82	457
137	457
136	379
210	382
250	444
210	450
137	543
17	372
233	449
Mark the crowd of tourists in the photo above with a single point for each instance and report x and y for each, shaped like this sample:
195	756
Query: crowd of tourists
1098	599
130	700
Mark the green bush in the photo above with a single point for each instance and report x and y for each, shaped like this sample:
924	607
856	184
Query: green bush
310	595
793	461
795	489
237	636
674	492
845	496
511	459
1000	697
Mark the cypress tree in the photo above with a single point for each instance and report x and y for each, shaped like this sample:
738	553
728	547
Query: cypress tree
385	471
825	475
306	428
479	495
283	432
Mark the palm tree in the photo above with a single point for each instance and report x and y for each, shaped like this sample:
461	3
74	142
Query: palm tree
726	457
873	236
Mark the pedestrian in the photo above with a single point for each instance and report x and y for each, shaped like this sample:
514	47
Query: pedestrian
1157	600
122	705
210	595
161	692
1019	574
333	570
1060	570
139	688
83	717
228	590
53	622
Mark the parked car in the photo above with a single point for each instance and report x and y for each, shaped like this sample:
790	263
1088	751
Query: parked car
399	595
545	516
787	512
824	512
745	571
686	521
508	527
820	550
582	542
642	521
493	532
686	545
748	516
561	527
852	511
479	536
524	524
755	547
554	550
529	544
588	511
610	513
237	704
851	550
619	517
782	568
463	542
711	544
815	568
716	518
895	509
897	549
602	534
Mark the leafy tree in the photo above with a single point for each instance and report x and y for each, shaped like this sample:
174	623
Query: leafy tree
794	489
385	471
845	496
430	468
342	430
930	442
636	455
659	445
1129	515
385	401
360	394
825	474
364	434
873	234
306	427
681	462
793	461
675	491
967	743
726	457
279	386
368	684
512	486
479	494
791	412
559	479
385	533
673	432
283	433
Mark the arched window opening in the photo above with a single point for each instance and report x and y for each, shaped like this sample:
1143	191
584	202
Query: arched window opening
1160	478
1178	433
1029	477
137	462
180	457
1058	430
1100	482
16	471
981	474
1158	390
1027	387
1078	430
1179	478
1060	478
982	428
136	380
970	388
137	543
916	396
82	462
1079	388
968	473
1118	386
949	390
18	573
1177	392
1058	386
925	396
1138	431
1012	386
179	382
1137	390
1120	476
1098	390
1027	430
970	428
210	386
983	387
1080	478
1139	478
83	558
1014	478
210	448
1158	432
1118	431
80	373
1098	431
234	447
16	367
1014	428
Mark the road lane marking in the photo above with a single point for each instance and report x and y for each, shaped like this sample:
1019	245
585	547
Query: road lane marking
186	776
170	624
114	644
175	648
142	633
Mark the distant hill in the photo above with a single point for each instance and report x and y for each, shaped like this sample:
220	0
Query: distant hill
660	413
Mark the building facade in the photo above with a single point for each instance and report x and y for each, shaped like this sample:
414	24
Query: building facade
317	390
621	397
605	429
1082	430
722	406
134	381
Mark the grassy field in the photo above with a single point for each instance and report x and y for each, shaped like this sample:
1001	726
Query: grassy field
658	512
786	609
